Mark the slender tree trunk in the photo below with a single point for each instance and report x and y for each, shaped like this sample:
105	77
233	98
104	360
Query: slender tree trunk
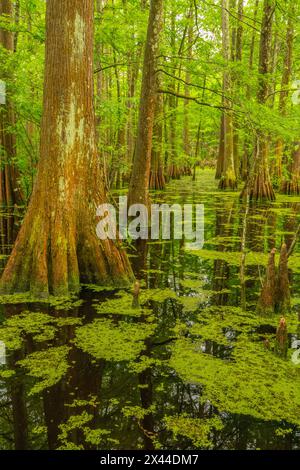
139	183
10	192
199	139
226	154
133	72
118	157
236	83
258	185
291	183
173	170
57	244
157	179
221	155
100	88
252	46
186	121
285	82
275	163
132	78
248	142
167	155
17	21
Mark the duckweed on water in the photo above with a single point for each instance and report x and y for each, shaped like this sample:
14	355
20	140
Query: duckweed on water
202	373
251	259
233	258
214	322
122	304
58	303
49	366
104	339
254	382
40	326
157	295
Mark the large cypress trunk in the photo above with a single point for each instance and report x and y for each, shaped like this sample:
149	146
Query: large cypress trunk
57	245
10	192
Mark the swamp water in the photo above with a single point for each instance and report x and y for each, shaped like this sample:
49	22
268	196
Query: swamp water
192	366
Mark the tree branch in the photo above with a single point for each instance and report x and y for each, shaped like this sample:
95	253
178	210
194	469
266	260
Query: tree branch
195	99
219	93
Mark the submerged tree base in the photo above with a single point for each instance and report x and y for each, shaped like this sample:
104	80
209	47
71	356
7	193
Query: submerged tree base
174	172
44	263
157	180
259	188
228	183
291	188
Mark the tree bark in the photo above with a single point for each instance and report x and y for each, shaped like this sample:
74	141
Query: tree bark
57	245
139	182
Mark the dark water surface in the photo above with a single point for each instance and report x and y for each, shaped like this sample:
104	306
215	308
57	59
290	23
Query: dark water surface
193	366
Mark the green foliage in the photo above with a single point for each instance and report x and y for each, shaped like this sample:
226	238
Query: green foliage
79	422
39	326
59	303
